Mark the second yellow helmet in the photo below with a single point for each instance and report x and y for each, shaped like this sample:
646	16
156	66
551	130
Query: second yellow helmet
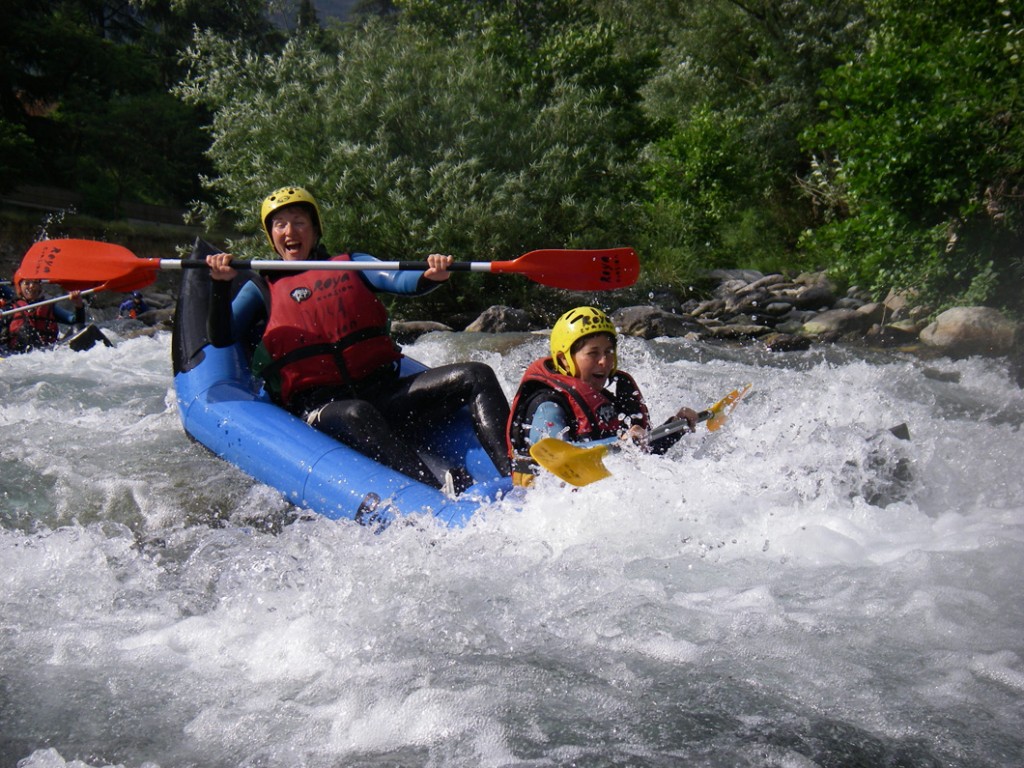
573	326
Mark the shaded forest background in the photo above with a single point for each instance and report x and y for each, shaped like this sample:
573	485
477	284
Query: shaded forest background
879	141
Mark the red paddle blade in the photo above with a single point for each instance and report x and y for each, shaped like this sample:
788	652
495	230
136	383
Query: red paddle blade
80	264
577	270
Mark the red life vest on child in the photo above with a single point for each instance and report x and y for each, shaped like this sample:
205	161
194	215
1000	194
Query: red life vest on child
326	328
593	414
41	319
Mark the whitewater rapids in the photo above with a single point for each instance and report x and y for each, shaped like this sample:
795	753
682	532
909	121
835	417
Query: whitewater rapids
800	588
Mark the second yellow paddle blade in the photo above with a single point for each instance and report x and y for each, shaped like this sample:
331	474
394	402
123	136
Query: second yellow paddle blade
719	409
577	466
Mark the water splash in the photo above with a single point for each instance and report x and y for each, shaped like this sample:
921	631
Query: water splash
745	600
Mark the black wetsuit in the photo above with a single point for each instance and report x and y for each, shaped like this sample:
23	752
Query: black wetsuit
382	416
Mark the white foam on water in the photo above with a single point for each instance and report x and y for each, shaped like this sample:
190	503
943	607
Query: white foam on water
739	601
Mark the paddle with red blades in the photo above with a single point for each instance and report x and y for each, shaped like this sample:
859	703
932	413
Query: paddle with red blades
79	264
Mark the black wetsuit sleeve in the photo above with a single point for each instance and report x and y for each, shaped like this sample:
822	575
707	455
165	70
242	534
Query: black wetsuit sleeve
218	321
425	286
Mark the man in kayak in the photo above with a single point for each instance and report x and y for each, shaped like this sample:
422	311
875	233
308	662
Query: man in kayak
133	306
38	327
579	395
326	353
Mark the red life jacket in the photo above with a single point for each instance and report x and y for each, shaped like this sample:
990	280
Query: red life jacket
41	320
593	414
326	328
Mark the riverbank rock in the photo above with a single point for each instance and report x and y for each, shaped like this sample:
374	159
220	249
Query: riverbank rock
406	332
790	314
785	342
651	322
162	318
500	319
782	313
835	323
965	331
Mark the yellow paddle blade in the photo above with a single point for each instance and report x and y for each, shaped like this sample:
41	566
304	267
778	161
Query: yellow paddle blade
721	409
577	466
583	466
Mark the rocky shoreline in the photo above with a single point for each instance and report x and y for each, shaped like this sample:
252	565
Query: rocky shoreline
785	314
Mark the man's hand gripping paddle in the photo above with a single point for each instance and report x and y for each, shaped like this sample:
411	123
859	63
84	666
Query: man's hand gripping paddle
583	466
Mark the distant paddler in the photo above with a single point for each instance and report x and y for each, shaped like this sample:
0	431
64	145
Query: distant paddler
38	327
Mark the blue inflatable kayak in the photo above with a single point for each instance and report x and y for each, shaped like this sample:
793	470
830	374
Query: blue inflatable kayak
224	408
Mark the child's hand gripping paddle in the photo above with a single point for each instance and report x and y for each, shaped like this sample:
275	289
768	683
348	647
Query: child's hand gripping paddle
583	466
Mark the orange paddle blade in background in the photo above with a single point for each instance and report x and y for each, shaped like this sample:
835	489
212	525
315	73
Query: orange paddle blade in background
80	264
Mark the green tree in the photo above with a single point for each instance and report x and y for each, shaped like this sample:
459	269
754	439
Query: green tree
307	20
17	153
922	156
167	27
27	88
86	102
546	44
416	142
736	88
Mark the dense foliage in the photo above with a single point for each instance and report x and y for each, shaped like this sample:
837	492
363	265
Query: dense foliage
479	142
877	138
920	166
86	98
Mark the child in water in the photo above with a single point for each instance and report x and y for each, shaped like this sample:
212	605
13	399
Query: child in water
579	395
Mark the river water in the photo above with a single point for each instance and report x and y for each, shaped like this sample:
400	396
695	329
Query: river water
800	588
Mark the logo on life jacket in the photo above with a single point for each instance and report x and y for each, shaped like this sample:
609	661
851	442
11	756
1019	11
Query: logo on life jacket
299	295
607	413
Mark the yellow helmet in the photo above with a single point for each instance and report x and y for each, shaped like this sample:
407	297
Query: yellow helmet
573	326
289	196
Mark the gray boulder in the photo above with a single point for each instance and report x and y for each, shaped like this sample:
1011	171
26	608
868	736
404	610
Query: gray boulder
500	319
406	332
785	342
820	296
837	322
965	331
650	322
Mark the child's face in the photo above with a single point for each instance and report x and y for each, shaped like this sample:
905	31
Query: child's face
31	289
595	359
